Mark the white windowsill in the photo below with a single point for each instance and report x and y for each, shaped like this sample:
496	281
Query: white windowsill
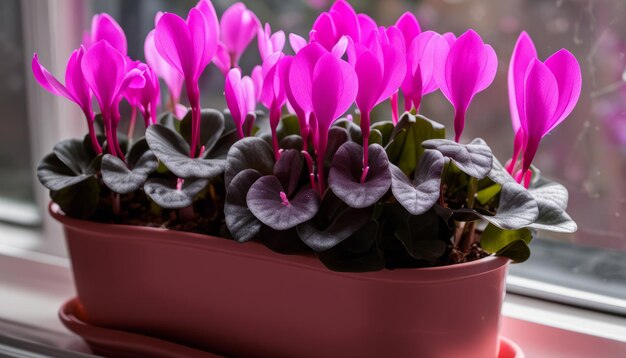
34	285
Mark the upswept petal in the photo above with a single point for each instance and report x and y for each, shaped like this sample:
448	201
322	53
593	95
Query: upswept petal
488	70
174	43
369	71
49	82
523	53
296	42
222	59
367	25
541	98
75	81
104	27
104	69
463	68
238	27
410	28
345	20
301	74
201	55
327	87
173	79
233	93
394	65
324	31
566	70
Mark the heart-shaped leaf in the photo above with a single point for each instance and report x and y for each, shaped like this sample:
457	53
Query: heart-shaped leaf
405	145
287	126
79	200
212	126
353	129
293	141
241	223
376	137
358	253
337	136
344	178
517	209
423	236
171	149
552	200
165	194
474	159
507	243
288	170
249	153
67	165
268	202
419	196
124	178
334	223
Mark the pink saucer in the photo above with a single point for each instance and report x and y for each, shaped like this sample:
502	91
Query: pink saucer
115	343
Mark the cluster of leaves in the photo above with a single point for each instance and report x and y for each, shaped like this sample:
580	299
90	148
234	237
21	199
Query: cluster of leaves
425	200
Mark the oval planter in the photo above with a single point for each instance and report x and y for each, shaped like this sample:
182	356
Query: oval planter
245	300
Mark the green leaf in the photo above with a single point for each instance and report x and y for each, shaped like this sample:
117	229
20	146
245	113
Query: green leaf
249	153
241	223
79	200
334	223
385	128
376	137
287	126
358	253
484	196
171	149
508	243
405	146
165	194
474	159
118	177
419	195
552	200
265	202
344	178
212	126
67	165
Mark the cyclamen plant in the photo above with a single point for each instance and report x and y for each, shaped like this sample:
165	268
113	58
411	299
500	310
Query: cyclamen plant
362	192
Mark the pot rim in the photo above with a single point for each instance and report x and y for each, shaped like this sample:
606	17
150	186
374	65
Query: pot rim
257	251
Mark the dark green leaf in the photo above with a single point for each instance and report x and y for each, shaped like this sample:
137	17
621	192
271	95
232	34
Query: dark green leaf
79	200
173	151
506	243
165	194
385	128
288	170
334	223
287	126
241	223
474	159
358	253
265	202
376	137
249	153
211	128
69	164
121	179
291	142
552	200
422	193
344	178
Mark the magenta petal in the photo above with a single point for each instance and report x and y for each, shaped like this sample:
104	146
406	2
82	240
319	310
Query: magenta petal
394	71
349	89
173	79
238	27
369	72
566	70
173	42
75	81
450	38
340	47
410	27
104	69
212	29
367	25
222	59
233	93
47	81
488	70
345	19
301	75
297	42
327	87
248	93
278	41
464	65
257	80
324	31
523	53
104	27
202	55
541	97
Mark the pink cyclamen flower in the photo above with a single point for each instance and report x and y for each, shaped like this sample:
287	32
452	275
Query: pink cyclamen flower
240	99
105	71
324	87
189	46
341	20
147	97
296	42
76	88
104	27
380	69
238	27
541	96
172	78
467	69
273	94
270	43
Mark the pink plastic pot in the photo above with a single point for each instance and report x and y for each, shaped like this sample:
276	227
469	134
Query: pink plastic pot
245	300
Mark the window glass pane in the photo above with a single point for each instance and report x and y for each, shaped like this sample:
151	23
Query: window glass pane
16	174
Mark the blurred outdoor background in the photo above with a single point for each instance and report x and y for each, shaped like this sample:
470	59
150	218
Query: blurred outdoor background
587	153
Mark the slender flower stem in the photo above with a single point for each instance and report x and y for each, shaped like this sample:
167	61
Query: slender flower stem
275	112
394	108
365	130
309	163
133	121
92	136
